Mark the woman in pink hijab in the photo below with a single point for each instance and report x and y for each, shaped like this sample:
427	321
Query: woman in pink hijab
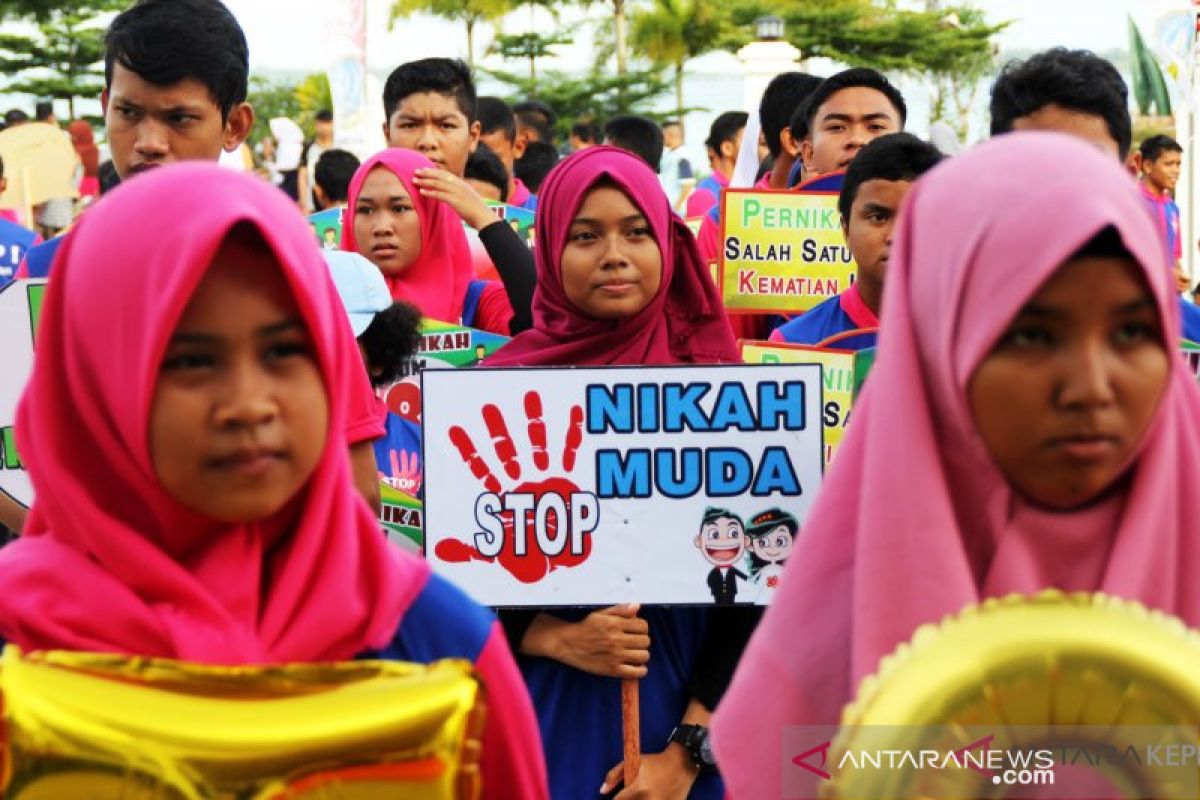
1028	411
395	219
682	322
185	420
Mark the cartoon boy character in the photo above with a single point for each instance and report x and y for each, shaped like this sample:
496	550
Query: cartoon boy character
771	535
722	541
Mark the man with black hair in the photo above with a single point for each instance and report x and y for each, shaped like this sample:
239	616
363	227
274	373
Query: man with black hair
675	170
175	82
175	77
332	174
498	130
487	174
535	121
638	135
1080	94
784	95
844	113
874	188
584	134
14	117
322	142
532	168
44	112
429	106
723	142
1161	161
1070	91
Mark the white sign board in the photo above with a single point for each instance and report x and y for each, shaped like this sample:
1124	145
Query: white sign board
659	485
20	302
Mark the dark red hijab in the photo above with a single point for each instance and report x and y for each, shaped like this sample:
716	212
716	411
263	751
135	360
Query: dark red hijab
684	323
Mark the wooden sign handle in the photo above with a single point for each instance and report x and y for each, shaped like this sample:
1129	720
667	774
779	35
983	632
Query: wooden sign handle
631	729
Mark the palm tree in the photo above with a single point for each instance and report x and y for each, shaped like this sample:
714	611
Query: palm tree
673	31
469	12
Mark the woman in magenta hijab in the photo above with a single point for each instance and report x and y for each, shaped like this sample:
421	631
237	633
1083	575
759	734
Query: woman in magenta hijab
620	282
194	500
580	318
1029	410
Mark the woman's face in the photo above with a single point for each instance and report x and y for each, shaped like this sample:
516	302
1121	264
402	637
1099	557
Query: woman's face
386	226
1063	399
611	265
240	412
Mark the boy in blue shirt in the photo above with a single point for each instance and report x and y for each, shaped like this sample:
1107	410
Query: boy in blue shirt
15	240
876	184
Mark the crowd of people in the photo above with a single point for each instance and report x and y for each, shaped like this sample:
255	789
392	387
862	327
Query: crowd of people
1028	404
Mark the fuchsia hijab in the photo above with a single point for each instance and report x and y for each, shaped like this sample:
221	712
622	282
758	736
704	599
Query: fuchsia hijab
437	281
914	521
109	561
684	323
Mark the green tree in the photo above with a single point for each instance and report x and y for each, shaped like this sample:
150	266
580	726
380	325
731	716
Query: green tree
312	95
951	46
873	34
469	12
1149	86
673	31
959	57
531	46
63	58
595	97
616	31
271	99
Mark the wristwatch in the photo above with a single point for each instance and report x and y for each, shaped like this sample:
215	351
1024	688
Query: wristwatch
694	739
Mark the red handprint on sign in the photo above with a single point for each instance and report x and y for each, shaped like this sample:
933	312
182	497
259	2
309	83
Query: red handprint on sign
405	473
546	506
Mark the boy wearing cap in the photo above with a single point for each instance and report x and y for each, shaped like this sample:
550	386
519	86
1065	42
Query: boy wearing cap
388	335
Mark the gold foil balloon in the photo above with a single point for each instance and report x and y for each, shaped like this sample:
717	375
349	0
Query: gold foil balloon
99	726
1092	696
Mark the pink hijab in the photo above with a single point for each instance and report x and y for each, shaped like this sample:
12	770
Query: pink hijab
978	236
109	561
437	281
684	323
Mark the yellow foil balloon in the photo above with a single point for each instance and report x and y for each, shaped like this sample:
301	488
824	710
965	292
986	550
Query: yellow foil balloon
1070	675
99	726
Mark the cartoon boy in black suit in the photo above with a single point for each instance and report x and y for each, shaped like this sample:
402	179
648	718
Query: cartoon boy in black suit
722	542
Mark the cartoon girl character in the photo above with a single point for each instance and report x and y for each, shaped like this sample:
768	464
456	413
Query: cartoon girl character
771	536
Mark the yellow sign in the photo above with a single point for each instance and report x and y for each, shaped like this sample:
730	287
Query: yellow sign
782	251
837	379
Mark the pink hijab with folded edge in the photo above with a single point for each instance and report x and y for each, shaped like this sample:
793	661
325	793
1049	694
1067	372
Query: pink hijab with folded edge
109	561
436	282
914	521
684	323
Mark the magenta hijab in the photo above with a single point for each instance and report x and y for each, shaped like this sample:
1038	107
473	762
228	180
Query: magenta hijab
684	323
914	521
436	282
111	562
